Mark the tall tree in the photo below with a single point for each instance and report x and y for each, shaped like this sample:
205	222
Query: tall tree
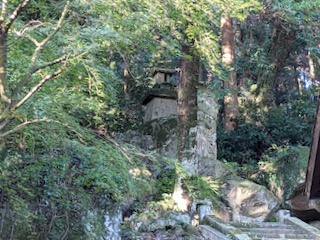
15	96
187	108
230	107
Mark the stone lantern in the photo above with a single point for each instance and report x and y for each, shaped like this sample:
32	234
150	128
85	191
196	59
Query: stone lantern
161	100
164	75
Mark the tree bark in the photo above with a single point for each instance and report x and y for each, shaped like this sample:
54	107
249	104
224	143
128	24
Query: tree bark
187	124
231	108
3	67
187	107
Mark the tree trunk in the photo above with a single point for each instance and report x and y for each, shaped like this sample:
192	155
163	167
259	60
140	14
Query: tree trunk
187	108
3	67
126	76
187	122
231	110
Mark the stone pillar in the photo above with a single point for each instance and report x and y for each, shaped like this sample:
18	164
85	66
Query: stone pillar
207	132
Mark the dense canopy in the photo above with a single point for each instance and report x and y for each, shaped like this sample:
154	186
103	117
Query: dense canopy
72	74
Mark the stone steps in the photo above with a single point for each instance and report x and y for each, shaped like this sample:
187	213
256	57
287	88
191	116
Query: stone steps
292	228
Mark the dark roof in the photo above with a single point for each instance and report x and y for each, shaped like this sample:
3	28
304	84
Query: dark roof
149	97
154	71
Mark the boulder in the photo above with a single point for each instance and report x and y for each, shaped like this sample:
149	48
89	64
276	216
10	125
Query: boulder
249	201
109	229
168	220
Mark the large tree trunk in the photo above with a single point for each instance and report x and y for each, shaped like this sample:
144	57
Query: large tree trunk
187	122
231	110
187	107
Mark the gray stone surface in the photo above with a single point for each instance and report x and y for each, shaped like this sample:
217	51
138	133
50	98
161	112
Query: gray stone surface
302	225
136	138
108	230
282	214
207	134
210	233
166	220
292	228
160	107
249	201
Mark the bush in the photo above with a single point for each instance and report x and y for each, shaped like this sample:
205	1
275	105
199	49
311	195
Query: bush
289	124
274	168
49	182
245	143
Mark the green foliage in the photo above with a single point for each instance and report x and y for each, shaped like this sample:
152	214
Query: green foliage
200	188
289	124
55	181
247	142
282	169
54	172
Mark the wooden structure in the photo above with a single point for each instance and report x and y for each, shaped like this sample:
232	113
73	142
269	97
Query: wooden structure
312	188
305	203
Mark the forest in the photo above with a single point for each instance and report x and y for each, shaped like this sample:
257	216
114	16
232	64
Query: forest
72	77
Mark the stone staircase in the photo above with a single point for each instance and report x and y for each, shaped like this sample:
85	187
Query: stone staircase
291	228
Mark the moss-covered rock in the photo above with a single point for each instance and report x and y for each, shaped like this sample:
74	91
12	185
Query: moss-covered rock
164	135
283	169
248	201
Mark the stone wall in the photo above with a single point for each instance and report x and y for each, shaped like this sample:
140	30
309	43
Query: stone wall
207	133
163	130
160	107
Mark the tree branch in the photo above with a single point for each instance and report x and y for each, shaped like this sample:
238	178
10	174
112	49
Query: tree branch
41	45
68	226
15	14
47	120
36	88
21	126
27	36
33	70
4	123
3	11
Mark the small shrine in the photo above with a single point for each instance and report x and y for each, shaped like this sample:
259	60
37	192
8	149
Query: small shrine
164	75
161	100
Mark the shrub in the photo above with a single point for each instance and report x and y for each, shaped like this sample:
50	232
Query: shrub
245	143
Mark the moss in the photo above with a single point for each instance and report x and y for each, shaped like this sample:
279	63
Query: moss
160	129
201	187
165	182
275	167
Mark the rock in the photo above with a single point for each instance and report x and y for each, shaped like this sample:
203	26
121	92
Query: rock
206	137
302	207
315	224
249	201
143	141
164	135
201	207
112	223
282	214
203	211
167	220
110	227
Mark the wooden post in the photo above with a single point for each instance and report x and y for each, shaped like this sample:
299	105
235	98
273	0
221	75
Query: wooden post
312	187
